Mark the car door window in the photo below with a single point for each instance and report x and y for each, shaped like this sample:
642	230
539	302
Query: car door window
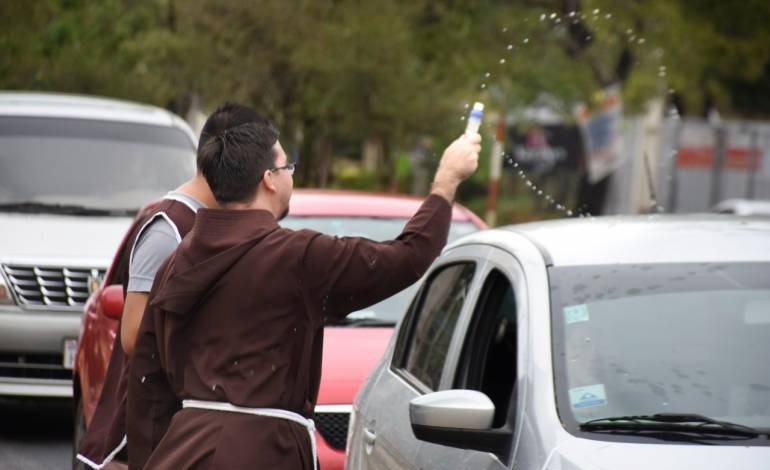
488	360
429	326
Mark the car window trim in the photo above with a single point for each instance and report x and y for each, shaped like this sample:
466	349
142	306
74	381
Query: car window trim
481	323
415	320
509	265
484	255
406	331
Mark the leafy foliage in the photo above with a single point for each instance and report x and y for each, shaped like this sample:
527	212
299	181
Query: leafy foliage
336	72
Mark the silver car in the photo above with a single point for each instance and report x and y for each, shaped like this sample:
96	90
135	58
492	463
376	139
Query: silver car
73	172
601	343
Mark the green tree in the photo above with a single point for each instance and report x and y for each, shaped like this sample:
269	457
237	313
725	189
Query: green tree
119	48
337	74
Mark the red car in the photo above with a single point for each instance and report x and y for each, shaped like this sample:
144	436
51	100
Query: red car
366	332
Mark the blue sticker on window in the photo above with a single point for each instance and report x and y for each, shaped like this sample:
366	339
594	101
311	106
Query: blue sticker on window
586	397
576	313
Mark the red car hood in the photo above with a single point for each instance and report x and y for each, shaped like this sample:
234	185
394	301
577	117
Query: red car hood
350	354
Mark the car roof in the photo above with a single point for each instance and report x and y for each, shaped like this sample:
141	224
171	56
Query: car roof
69	106
640	239
329	202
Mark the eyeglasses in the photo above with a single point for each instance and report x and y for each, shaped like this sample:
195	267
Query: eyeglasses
288	167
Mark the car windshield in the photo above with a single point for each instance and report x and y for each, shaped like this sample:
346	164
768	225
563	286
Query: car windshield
644	340
390	310
48	164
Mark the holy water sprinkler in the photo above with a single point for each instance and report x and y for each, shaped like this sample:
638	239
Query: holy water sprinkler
474	118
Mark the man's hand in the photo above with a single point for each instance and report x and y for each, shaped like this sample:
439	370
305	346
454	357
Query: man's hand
459	161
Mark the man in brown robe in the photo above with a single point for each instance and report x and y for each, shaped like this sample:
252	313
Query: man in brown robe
234	326
153	236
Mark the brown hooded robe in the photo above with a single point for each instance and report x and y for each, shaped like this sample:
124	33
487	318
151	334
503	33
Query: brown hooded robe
236	315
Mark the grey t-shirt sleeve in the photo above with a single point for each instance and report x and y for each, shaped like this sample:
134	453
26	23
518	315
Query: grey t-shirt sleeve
156	242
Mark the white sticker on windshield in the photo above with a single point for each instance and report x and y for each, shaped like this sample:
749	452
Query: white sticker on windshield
576	313
586	397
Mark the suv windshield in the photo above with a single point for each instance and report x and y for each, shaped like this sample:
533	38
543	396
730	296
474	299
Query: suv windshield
634	343
390	310
57	165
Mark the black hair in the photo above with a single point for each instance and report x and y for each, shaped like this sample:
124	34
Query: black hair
234	151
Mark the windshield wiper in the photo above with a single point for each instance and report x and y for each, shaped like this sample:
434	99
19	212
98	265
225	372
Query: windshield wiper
363	322
670	423
69	209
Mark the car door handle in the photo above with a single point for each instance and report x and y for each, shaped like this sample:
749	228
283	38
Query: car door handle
369	436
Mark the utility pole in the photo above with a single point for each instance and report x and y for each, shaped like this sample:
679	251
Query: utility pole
675	135
753	163
717	169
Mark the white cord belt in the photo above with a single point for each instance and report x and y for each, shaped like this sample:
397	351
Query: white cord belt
269	412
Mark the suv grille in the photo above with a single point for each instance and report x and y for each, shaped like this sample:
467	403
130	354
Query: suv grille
33	366
333	427
51	286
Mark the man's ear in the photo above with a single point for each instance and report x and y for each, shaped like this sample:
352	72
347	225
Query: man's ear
267	180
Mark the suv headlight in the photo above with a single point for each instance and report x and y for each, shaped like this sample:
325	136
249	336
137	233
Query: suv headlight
5	292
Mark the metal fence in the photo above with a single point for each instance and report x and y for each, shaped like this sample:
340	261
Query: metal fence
679	165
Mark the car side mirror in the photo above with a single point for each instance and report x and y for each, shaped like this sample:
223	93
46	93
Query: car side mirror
459	418
111	299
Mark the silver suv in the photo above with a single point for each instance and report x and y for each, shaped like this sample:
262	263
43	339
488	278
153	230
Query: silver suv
73	172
